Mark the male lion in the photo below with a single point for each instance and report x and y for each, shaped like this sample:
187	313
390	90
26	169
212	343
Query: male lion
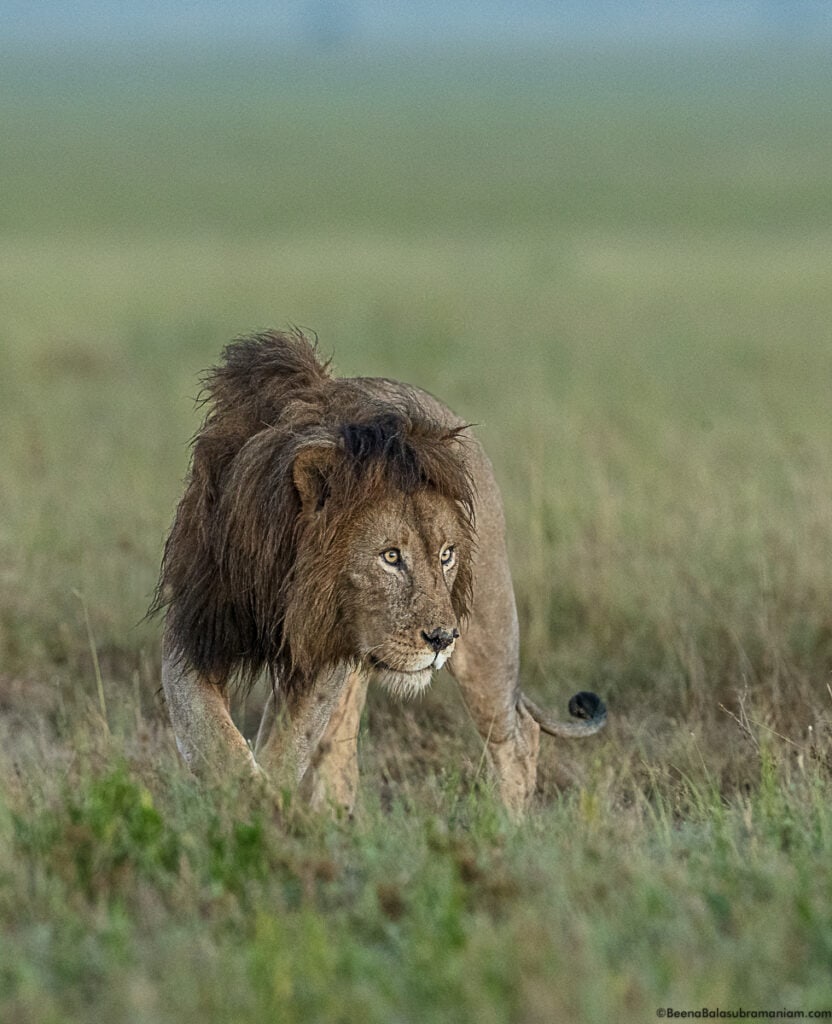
334	531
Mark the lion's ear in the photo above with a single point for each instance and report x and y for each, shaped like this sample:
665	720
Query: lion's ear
311	472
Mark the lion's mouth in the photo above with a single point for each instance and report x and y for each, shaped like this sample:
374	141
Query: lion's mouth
382	666
401	682
435	663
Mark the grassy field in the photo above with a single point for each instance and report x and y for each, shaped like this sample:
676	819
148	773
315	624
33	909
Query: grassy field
619	267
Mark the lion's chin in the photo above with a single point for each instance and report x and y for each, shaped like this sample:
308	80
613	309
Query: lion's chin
404	685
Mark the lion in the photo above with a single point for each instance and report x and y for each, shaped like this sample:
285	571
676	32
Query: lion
337	531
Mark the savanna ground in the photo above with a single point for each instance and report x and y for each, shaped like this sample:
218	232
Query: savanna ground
619	266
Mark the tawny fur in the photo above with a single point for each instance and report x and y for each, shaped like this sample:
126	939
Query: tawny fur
299	485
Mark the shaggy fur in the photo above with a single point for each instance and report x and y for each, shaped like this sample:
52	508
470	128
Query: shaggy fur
286	456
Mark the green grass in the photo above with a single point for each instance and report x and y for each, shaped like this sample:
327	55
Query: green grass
619	268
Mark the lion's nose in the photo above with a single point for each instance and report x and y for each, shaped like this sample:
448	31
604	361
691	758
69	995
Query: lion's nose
439	639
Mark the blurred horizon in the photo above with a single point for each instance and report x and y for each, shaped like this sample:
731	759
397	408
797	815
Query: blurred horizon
339	24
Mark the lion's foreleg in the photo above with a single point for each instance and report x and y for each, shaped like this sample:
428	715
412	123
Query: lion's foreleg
296	737
332	777
207	738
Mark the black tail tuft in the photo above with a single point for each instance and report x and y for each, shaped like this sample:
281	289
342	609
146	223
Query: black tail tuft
587	705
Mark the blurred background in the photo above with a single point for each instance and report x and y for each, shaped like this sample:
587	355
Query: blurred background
599	230
602	232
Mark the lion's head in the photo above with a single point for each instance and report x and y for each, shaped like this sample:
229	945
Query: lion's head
321	522
396	586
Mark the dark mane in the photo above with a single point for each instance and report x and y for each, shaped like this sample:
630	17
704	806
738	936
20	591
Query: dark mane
407	452
249	576
382	440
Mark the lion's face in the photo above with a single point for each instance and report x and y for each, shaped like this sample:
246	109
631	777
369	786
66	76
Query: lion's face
403	557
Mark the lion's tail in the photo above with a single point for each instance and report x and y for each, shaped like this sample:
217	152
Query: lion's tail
584	705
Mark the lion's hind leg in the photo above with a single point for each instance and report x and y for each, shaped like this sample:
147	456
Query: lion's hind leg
486	661
510	735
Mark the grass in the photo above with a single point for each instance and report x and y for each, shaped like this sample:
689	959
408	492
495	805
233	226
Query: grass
619	268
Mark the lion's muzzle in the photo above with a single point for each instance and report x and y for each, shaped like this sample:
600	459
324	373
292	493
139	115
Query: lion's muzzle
439	639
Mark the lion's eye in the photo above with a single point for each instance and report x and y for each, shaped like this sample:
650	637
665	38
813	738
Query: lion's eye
392	556
447	556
